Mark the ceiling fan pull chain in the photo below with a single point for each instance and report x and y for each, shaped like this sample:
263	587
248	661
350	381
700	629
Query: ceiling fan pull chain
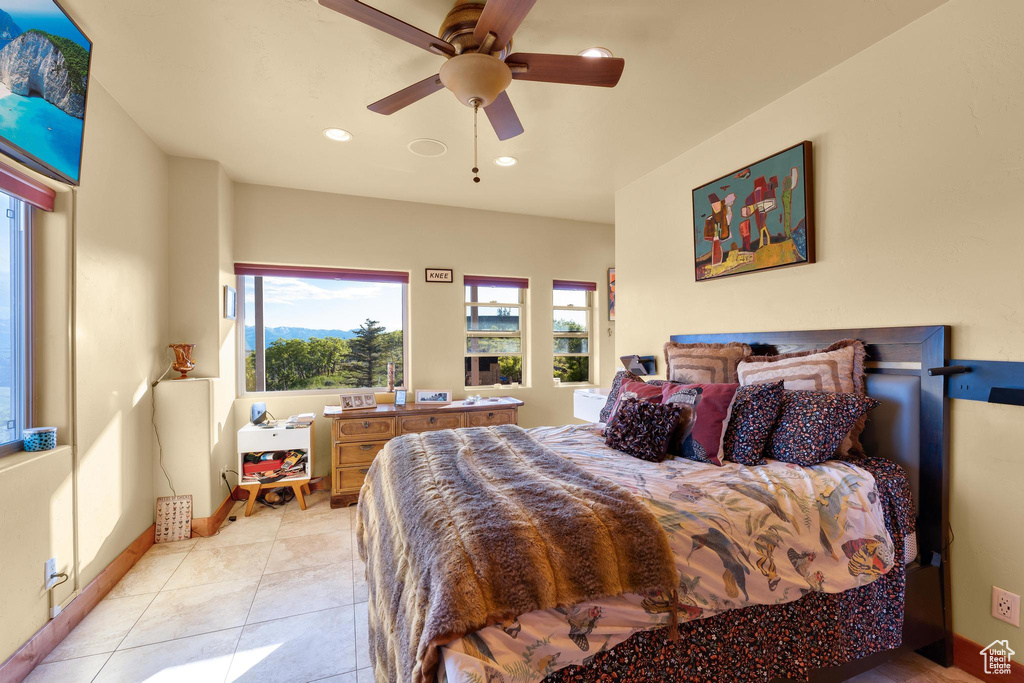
476	137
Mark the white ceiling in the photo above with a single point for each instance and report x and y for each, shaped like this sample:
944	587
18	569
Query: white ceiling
251	83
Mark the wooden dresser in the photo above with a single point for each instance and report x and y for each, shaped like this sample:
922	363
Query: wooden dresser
358	435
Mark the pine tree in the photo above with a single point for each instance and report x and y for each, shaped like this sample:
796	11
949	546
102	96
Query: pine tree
364	357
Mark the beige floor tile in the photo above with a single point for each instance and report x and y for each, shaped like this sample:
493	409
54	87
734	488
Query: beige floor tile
103	628
347	677
318	521
197	659
318	501
190	611
317	550
234	562
914	667
148	575
81	670
870	677
365	675
258	510
302	648
285	594
360	591
362	635
173	546
244	530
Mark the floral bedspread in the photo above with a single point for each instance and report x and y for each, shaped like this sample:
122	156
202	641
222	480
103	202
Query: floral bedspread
742	536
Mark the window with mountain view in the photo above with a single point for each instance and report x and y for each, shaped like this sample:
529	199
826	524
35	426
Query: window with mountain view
14	216
321	332
494	331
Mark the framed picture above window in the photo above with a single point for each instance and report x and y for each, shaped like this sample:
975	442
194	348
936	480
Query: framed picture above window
572	324
495	315
320	329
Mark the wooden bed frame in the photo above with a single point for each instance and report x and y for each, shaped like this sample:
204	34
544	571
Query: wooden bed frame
911	351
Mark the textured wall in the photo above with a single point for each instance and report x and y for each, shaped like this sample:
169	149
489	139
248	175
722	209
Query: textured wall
919	174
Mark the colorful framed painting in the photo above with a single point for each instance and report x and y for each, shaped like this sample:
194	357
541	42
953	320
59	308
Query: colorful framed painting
611	294
756	218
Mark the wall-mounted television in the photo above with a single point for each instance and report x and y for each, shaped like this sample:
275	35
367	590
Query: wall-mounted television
44	81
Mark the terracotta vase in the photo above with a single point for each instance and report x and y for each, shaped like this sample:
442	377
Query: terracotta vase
182	359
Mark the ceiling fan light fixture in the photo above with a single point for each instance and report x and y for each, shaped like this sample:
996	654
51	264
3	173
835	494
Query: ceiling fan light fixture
596	52
506	161
337	134
474	76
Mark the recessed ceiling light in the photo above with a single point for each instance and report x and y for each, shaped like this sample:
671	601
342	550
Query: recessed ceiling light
506	161
596	52
337	134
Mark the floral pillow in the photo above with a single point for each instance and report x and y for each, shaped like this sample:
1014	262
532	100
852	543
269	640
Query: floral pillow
753	415
812	424
645	430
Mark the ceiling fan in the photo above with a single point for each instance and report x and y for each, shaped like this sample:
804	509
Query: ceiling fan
476	39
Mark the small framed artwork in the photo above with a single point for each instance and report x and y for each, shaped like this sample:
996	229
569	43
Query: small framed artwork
361	401
400	397
756	218
230	302
611	294
440	275
433	396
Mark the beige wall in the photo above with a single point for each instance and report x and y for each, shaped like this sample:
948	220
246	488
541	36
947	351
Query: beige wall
117	240
918	173
275	225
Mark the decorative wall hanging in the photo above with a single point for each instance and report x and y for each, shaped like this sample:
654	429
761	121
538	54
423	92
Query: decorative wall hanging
611	294
440	275
757	218
230	302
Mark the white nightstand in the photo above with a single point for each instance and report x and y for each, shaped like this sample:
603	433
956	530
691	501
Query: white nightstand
587	404
254	439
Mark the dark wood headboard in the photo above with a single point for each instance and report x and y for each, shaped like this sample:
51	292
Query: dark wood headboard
901	351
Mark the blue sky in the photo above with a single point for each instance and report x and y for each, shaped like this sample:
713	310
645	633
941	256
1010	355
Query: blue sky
44	15
326	304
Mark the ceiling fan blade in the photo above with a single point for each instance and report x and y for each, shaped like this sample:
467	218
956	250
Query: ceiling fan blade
406	96
503	117
571	69
502	18
390	25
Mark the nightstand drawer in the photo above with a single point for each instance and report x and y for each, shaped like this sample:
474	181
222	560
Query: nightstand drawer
490	418
412	424
356	453
349	478
361	429
257	440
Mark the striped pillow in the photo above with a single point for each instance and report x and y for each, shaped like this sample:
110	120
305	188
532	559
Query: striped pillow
704	363
837	369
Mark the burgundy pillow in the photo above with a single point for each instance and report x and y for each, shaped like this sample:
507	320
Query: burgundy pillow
711	416
650	393
812	424
645	430
754	413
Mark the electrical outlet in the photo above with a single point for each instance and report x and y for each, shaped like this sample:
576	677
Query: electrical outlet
49	570
1006	606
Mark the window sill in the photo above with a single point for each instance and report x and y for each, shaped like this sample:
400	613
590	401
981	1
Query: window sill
264	395
504	388
19	458
576	385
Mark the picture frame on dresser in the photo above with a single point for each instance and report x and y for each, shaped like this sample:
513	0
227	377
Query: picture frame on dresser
437	396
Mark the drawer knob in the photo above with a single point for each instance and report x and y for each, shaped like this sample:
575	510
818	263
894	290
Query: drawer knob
433	420
490	414
366	425
365	447
364	471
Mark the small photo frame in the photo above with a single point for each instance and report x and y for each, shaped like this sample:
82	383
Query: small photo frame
400	395
361	401
230	302
433	396
440	275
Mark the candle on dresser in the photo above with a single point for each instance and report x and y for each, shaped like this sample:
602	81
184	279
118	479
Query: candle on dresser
391	378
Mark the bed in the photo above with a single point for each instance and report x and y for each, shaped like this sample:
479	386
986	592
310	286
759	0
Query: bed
812	577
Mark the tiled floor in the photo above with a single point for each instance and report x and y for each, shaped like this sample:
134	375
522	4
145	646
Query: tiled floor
278	597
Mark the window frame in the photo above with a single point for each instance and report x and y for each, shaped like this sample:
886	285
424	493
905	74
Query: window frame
240	323
469	334
588	335
24	321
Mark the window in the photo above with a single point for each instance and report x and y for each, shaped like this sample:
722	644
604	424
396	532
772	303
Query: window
14	323
571	323
495	317
310	328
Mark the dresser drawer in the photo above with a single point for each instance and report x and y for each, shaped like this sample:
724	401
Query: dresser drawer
349	478
361	429
490	418
356	453
412	424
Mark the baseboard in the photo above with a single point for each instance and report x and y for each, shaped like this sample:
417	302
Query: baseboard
41	644
207	526
967	657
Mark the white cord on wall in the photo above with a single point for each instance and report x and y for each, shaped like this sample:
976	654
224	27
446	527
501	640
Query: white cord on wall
159	445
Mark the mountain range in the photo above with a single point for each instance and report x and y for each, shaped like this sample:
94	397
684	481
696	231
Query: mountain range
304	333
